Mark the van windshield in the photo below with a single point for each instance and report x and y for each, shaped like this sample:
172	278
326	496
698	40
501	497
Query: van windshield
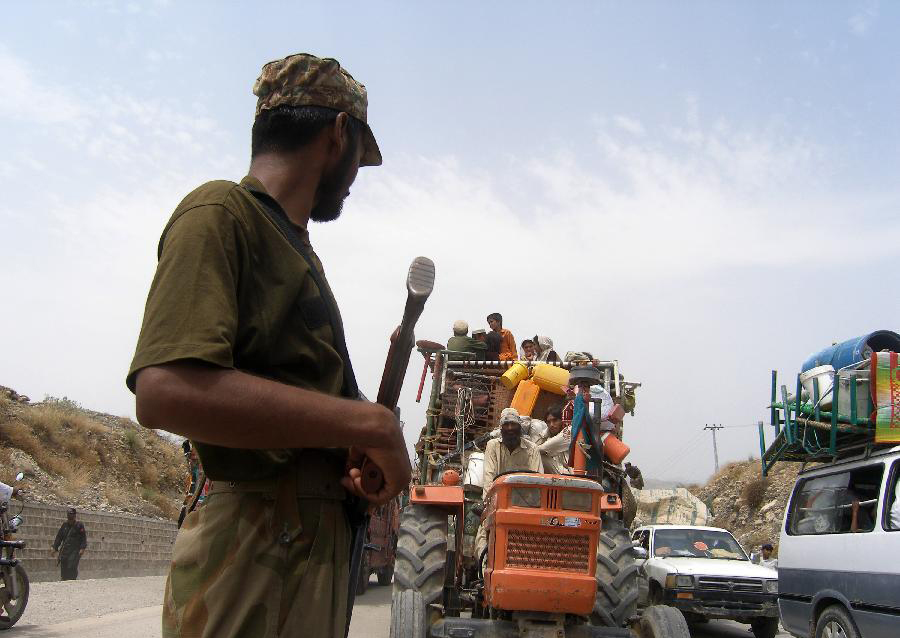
697	543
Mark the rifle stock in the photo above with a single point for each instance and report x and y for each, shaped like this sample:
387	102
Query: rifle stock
419	284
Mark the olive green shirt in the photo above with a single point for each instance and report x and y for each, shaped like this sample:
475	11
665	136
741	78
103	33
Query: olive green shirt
230	291
465	344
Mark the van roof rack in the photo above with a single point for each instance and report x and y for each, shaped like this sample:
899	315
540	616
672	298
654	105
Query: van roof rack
804	432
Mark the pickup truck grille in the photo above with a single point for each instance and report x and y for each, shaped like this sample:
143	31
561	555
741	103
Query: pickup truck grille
718	583
548	550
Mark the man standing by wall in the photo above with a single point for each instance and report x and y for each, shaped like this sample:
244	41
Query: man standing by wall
242	351
70	543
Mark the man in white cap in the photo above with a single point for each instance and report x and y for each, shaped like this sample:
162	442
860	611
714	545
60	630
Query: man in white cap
461	342
511	452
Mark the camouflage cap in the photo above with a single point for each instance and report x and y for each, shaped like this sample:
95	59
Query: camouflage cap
303	79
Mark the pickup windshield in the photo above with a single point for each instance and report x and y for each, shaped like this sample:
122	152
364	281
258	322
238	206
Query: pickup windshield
697	543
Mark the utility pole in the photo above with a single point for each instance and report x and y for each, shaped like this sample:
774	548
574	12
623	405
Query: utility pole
715	427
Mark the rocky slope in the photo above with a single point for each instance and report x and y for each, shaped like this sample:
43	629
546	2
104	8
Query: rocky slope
73	456
747	504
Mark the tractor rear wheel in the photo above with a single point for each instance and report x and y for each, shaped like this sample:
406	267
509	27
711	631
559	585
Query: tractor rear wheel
408	615
421	558
617	591
660	621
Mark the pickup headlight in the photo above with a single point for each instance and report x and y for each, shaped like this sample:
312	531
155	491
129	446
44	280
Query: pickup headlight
771	586
681	581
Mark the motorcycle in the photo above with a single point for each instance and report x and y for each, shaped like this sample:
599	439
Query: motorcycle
14	584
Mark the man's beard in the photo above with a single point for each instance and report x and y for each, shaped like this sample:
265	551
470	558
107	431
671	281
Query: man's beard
333	188
510	440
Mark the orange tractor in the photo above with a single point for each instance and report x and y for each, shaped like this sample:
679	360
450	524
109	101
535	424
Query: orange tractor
559	561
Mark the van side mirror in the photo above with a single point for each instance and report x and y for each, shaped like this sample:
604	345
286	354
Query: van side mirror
639	553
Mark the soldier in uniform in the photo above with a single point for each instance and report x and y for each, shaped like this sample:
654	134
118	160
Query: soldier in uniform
242	351
70	543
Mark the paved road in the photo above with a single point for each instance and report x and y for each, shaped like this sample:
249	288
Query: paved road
117	607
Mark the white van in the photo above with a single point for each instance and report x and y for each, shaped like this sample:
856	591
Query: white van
839	555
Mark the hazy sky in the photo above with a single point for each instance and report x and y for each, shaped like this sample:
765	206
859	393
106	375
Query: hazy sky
704	191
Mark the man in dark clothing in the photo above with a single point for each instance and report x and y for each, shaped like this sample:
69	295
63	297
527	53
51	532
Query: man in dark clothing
71	541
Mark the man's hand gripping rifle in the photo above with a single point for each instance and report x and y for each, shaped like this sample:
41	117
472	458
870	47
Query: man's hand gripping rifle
419	284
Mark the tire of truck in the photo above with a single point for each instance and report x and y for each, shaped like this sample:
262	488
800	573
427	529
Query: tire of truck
764	627
363	583
617	573
385	575
835	622
421	557
661	621
408	615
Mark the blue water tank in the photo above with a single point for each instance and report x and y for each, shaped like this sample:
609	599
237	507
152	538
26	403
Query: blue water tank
854	350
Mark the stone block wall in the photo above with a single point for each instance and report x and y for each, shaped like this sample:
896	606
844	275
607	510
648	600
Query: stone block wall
118	544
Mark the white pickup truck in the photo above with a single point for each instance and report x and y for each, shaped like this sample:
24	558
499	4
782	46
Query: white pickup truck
704	572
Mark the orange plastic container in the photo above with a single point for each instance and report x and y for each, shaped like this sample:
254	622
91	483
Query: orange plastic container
511	378
525	397
613	448
550	378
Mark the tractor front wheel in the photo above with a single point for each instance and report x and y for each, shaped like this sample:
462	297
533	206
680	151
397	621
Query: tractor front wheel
420	562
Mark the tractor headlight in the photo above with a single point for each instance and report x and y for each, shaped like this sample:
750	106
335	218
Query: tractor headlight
526	497
771	586
680	581
578	501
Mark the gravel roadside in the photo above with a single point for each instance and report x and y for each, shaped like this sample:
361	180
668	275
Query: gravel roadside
56	602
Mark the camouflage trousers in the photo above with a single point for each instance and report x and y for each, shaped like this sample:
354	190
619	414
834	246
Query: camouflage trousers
257	561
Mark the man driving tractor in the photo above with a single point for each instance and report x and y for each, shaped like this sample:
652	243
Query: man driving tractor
510	453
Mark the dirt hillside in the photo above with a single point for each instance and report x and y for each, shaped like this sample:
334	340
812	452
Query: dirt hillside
747	504
73	456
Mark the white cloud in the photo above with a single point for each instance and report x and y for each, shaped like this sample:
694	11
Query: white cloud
629	125
24	97
860	22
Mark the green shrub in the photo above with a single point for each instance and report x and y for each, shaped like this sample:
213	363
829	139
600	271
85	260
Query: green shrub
133	440
755	492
